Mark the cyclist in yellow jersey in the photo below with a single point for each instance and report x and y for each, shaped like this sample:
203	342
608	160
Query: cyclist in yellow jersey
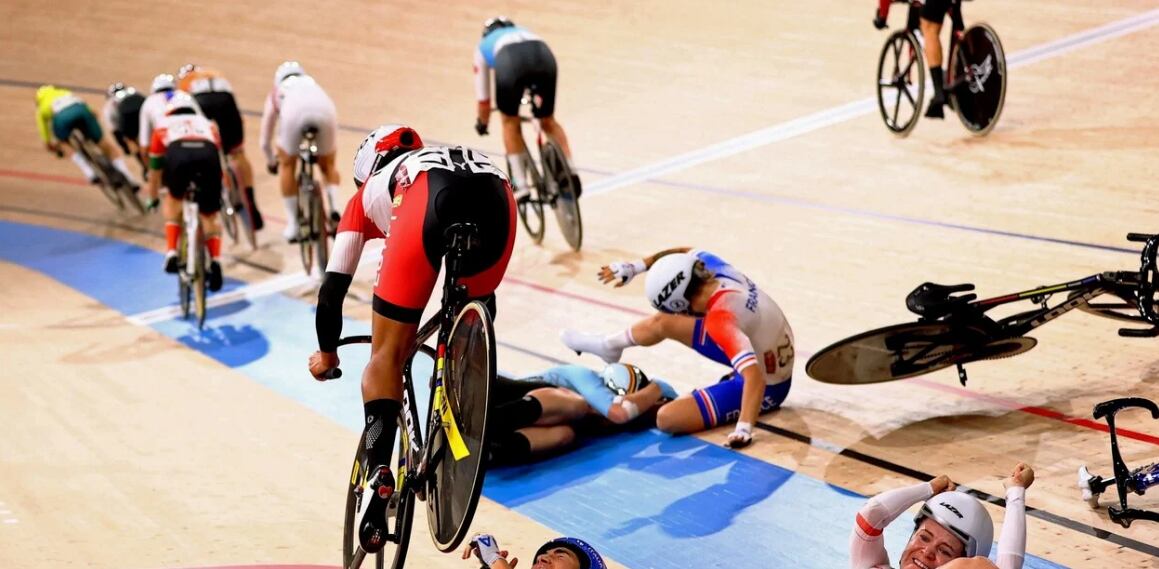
58	113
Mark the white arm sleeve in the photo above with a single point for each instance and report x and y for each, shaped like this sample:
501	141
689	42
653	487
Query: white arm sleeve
107	114
866	546
145	122
346	252
482	77
1012	543
269	118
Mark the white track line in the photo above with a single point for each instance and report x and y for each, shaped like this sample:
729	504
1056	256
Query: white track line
849	111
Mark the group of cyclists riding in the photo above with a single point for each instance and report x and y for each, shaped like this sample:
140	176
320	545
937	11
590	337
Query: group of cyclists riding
409	192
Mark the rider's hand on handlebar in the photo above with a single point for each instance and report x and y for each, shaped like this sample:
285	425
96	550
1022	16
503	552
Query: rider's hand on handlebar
54	147
942	484
322	363
481	127
1023	476
272	168
878	21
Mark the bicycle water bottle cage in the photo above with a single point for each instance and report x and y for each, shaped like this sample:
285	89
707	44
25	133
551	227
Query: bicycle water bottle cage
931	301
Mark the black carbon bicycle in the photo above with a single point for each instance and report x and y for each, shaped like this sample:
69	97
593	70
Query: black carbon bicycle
955	330
445	463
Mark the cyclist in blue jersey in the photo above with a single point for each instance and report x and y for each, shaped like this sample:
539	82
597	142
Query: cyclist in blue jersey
522	62
559	553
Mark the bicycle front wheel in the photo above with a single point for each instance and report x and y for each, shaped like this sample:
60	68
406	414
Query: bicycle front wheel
901	82
564	200
184	290
305	225
320	230
455	483
399	527
531	210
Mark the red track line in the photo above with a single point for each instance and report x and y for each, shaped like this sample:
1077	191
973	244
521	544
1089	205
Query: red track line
1039	411
44	177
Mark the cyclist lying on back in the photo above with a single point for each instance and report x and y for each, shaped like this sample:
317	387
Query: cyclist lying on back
709	306
58	113
412	193
559	553
186	150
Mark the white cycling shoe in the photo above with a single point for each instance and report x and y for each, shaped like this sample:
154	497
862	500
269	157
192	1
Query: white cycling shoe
594	344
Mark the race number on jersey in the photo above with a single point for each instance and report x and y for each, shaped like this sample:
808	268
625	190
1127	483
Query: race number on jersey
453	158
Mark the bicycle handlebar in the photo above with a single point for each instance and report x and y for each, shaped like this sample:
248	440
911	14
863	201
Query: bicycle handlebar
1139	237
337	372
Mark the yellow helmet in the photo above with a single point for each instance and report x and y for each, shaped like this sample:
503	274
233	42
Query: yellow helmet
43	92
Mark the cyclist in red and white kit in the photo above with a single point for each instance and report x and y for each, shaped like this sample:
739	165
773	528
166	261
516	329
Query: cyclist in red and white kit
709	306
185	149
411	195
950	527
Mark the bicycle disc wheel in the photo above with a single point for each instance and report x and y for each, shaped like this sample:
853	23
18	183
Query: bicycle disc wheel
320	231
894	352
978	74
454	488
531	210
564	201
901	82
399	527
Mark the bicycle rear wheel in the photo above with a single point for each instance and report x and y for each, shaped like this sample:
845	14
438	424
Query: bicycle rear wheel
184	290
978	75
242	202
399	528
199	280
901	82
531	210
562	189
80	144
894	352
229	214
320	229
454	486
305	225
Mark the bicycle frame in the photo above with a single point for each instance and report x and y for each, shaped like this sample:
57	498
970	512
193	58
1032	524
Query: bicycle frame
1022	323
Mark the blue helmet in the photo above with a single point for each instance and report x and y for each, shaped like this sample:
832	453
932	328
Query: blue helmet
496	23
587	555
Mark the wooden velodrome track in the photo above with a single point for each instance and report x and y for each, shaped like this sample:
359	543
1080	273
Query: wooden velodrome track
120	447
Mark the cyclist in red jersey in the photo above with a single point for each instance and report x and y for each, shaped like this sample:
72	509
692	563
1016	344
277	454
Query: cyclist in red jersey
411	195
932	13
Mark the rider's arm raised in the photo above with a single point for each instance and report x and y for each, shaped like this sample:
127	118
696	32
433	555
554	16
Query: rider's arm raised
866	545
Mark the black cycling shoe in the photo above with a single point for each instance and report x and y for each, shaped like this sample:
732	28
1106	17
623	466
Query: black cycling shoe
575	183
934	111
213	278
372	525
171	262
259	223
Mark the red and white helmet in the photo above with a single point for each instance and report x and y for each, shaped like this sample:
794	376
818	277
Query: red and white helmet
382	140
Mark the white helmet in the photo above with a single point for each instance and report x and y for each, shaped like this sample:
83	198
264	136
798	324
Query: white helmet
964	516
667	282
180	101
163	82
381	140
624	379
287	69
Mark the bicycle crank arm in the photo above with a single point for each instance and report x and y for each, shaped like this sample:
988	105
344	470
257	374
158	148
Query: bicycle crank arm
961	374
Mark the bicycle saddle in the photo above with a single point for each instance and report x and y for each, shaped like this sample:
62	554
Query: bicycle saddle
310	132
461	237
932	300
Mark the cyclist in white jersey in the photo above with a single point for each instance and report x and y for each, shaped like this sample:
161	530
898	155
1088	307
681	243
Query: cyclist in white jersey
950	528
296	103
713	308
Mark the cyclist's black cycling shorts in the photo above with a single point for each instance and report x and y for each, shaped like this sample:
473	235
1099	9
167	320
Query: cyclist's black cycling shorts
935	10
194	162
527	65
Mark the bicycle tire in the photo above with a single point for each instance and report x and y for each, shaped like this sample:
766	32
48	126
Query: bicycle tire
199	280
184	290
469	377
873	356
900	77
531	210
247	208
974	111
305	247
118	184
404	515
320	230
80	144
564	201
229	215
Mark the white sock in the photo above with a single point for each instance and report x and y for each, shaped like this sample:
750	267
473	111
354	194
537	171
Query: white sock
119	164
519	173
83	165
620	340
291	204
332	196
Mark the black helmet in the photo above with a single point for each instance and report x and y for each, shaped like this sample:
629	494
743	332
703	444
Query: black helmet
496	23
115	88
